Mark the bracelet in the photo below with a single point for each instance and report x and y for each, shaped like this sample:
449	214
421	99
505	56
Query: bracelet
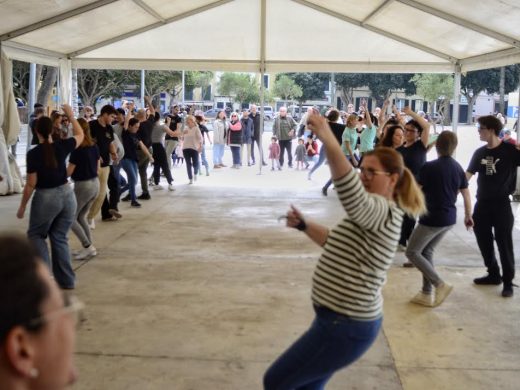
301	225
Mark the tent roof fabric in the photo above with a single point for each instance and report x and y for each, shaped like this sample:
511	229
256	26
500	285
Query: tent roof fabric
269	35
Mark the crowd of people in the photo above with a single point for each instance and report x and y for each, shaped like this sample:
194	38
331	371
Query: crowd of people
377	164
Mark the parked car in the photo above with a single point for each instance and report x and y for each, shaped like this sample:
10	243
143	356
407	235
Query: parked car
212	113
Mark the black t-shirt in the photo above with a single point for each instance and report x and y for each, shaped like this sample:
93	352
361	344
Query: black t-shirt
496	170
103	136
130	143
50	177
86	161
414	156
32	126
441	181
337	129
145	131
173	126
203	129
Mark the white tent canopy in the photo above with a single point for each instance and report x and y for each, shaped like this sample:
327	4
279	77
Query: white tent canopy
268	35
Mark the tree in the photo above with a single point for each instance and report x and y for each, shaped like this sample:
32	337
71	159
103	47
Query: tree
286	88
433	87
49	74
200	80
241	86
21	79
157	82
345	84
94	84
313	85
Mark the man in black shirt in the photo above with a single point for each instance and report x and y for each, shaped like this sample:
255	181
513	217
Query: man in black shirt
144	134
257	135
496	164
171	142
103	134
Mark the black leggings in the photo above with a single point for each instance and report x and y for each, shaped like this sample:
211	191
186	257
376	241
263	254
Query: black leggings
192	160
160	162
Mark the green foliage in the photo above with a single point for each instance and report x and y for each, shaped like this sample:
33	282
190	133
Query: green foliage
433	86
94	84
311	84
21	79
489	80
200	80
241	86
286	88
157	82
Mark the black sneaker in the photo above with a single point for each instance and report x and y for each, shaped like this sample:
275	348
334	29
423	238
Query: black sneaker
144	196
324	191
126	198
507	291
135	204
488	280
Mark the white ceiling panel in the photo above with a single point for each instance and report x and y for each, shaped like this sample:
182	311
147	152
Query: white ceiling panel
171	8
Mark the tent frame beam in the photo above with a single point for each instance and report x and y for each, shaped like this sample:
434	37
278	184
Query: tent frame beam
149	10
378	31
465	23
377	11
56	19
148	28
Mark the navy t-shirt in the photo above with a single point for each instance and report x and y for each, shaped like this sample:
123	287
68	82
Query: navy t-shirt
86	161
173	126
130	143
50	177
103	136
145	131
441	181
496	170
414	156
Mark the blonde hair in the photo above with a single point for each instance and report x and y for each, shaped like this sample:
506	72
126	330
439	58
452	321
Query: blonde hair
351	121
407	193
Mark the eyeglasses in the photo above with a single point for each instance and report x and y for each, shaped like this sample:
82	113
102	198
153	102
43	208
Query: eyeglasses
369	173
72	306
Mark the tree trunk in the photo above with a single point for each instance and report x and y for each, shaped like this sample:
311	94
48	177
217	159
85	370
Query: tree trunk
471	103
47	85
502	87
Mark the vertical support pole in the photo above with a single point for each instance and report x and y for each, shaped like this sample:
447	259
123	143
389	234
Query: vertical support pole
74	89
142	86
332	90
183	87
456	99
263	8
32	100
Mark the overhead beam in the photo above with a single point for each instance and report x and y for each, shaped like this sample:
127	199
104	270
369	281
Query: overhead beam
148	28
33	49
149	10
377	30
377	11
462	22
55	19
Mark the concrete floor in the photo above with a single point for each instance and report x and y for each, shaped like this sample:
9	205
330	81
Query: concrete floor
203	288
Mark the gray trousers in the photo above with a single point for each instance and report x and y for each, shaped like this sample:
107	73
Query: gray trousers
142	165
86	192
419	251
170	146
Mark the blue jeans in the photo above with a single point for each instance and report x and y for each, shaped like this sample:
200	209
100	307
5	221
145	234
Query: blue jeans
235	151
321	159
53	211
332	342
130	167
203	160
218	153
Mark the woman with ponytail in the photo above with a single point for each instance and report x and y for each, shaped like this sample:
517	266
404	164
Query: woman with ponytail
53	206
357	252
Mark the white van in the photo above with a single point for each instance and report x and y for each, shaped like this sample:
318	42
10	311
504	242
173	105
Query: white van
268	112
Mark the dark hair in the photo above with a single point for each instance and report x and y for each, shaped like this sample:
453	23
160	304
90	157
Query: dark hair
44	128
446	143
121	111
39	111
108	109
133	121
491	122
416	125
21	289
389	135
274	138
37	105
333	115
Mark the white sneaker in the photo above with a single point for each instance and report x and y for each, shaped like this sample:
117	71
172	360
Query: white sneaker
191	181
423	299
86	253
91	224
194	177
441	293
170	187
158	187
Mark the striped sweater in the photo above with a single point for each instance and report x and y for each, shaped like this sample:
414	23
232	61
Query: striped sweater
352	269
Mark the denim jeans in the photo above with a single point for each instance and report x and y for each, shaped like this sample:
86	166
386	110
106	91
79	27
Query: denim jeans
86	192
203	160
130	167
420	249
321	159
235	151
53	211
218	153
332	342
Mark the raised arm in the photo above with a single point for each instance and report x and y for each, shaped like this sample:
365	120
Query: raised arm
425	126
148	102
76	128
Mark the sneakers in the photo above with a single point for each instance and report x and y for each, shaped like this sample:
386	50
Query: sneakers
157	187
109	219
423	299
324	191
86	253
195	177
401	248
115	213
408	264
135	204
191	181
488	280
144	196
126	198
441	293
507	291
170	187
217	166
91	224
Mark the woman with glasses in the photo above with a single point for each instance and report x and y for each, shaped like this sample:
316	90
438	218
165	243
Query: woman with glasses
53	207
37	323
416	138
357	252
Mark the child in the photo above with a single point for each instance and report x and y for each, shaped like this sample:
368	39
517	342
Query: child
178	156
311	147
274	153
300	154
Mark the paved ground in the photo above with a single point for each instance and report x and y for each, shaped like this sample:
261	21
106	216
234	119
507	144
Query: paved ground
202	288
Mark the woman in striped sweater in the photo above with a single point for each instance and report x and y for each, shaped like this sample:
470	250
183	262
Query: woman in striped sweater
351	271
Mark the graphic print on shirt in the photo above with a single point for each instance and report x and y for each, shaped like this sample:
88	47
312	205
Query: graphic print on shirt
490	165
